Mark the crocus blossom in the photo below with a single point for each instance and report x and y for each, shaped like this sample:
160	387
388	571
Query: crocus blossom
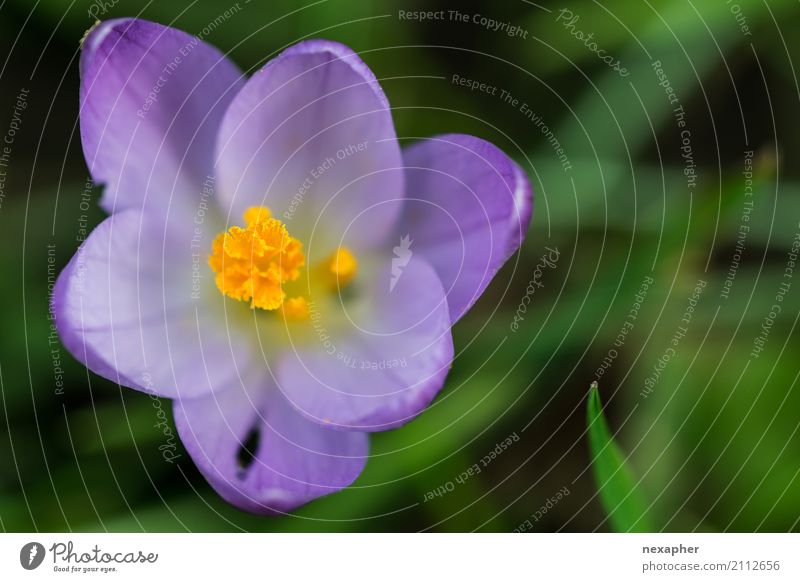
273	261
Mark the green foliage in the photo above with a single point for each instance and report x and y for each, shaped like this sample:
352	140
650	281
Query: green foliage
618	488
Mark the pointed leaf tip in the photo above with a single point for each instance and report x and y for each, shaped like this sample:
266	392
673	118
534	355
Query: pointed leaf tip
618	488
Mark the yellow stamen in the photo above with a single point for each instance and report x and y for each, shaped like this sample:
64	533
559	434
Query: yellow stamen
256	214
295	308
253	263
340	268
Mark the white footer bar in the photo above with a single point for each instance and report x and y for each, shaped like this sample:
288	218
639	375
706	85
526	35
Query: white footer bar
406	557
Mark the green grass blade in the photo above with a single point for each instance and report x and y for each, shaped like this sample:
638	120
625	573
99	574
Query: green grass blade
619	492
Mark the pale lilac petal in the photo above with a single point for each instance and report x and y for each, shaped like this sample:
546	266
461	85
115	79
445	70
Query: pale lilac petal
292	462
129	306
152	99
311	137
385	365
468	208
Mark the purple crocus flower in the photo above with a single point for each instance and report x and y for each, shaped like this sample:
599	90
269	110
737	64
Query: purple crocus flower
273	261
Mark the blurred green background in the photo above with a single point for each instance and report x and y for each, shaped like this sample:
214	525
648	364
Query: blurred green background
711	445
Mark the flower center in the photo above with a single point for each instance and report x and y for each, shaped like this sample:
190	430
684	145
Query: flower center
254	264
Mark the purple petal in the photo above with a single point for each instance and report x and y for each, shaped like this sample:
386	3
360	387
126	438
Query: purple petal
152	99
384	366
468	208
311	137
291	462
130	307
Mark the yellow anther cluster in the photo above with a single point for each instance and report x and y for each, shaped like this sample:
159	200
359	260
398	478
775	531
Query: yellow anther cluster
253	263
